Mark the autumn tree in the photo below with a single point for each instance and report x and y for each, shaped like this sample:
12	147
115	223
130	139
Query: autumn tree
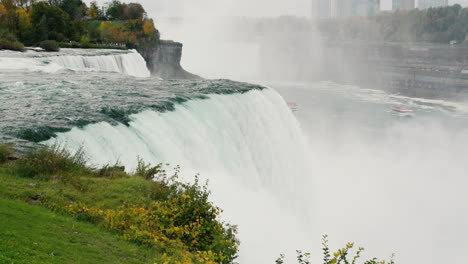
3	12
8	4
25	27
148	27
93	10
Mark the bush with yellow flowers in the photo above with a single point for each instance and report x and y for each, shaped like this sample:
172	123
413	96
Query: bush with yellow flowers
186	221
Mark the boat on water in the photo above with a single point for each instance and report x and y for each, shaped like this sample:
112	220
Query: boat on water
293	106
402	110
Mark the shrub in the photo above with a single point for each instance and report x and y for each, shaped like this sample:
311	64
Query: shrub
6	152
340	256
50	45
85	42
147	171
46	162
10	42
111	171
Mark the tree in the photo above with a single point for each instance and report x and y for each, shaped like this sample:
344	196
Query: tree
25	28
42	30
133	11
93	10
77	30
8	4
148	27
76	9
3	12
58	21
115	10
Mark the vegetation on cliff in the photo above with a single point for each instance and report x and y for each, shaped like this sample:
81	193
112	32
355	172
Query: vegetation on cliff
436	25
171	221
73	24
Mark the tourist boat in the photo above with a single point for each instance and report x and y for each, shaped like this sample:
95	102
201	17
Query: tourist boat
402	110
293	106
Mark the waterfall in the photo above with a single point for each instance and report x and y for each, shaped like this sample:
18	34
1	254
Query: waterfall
123	62
131	63
249	146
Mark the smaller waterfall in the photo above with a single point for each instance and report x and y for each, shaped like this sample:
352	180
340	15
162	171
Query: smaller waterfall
131	63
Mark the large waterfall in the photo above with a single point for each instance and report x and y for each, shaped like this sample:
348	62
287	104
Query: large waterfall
249	146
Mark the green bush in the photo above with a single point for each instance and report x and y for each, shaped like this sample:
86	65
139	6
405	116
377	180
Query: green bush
50	45
147	171
48	162
10	42
6	152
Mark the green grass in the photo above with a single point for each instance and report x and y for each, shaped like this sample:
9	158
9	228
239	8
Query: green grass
106	193
31	234
55	209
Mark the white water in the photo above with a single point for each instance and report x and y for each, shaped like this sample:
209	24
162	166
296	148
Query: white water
131	63
249	146
128	63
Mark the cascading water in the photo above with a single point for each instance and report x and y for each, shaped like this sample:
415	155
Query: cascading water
131	63
123	62
249	146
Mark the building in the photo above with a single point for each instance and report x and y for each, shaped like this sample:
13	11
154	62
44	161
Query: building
321	8
351	8
423	4
403	4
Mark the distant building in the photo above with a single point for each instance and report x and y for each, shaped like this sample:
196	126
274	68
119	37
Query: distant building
423	4
403	4
350	8
321	8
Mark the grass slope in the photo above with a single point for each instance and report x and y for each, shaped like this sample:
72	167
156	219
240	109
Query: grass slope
31	234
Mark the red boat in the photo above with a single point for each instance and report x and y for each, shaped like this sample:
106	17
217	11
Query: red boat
293	106
401	109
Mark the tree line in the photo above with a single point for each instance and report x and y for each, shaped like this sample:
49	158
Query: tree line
73	23
435	25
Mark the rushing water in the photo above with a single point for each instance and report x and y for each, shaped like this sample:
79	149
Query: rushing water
358	172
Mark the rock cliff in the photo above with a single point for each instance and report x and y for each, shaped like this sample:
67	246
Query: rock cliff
164	60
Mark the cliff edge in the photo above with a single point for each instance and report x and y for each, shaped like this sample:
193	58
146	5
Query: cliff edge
164	61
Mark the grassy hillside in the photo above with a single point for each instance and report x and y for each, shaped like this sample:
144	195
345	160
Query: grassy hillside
55	209
31	234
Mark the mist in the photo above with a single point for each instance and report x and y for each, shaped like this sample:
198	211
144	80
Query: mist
390	184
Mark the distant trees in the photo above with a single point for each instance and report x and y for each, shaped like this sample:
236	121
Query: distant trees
76	9
440	25
33	22
121	11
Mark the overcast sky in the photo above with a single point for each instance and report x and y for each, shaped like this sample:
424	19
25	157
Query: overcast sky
195	8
